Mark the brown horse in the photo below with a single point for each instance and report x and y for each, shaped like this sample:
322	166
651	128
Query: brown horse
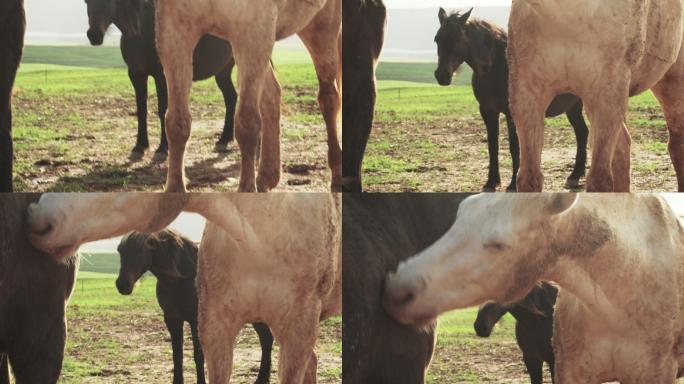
33	297
12	28
252	28
364	34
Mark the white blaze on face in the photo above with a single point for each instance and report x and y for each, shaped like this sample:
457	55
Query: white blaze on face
477	260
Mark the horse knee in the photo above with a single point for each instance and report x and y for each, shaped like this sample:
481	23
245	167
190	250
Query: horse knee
248	126
178	125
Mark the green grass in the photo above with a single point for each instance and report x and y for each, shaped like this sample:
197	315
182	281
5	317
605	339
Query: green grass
74	124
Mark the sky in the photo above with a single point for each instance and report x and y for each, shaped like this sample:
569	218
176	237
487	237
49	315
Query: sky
444	3
191	225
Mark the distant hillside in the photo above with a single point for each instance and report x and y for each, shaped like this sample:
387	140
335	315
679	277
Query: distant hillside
411	32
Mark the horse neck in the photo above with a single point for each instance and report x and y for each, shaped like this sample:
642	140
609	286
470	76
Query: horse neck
147	24
498	52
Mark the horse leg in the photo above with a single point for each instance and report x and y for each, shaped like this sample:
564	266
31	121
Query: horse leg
491	120
4	369
607	112
582	135
254	75
528	109
161	153
266	341
514	147
297	338
197	353
322	39
269	160
217	334
139	81
175	46
534	369
225	83
670	94
362	41
175	327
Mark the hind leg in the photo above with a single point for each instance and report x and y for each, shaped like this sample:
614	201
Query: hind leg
670	94
139	81
225	83
269	159
218	331
582	135
266	341
322	38
175	46
162	151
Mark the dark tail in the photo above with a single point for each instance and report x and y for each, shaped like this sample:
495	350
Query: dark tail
4	369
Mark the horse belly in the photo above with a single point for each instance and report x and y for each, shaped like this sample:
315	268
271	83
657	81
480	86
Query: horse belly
295	15
211	55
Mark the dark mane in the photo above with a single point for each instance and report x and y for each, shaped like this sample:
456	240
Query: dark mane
479	27
541	299
172	254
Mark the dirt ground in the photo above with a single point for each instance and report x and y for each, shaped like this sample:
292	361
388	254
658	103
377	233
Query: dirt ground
98	132
137	349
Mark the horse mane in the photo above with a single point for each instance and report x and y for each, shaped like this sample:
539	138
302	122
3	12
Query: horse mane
541	300
173	255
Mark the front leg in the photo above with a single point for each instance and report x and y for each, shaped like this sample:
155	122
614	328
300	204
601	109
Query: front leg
266	341
534	369
175	327
139	81
515	152
491	119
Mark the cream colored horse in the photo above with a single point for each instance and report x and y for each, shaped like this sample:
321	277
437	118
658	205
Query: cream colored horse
272	258
252	27
619	260
604	52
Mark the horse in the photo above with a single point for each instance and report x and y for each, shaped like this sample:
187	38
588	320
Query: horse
172	259
601	250
252	29
362	41
604	52
482	45
261	260
12	29
211	57
533	327
35	291
379	232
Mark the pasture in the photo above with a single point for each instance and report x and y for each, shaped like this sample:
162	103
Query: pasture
432	139
463	357
120	339
75	125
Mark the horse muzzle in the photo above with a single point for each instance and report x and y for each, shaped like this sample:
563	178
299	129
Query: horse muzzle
95	37
124	287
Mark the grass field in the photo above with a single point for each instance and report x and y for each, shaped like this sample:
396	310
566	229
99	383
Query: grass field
432	139
123	339
462	357
75	125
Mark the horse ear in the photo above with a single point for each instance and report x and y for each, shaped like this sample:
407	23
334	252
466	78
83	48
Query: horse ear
464	17
442	15
558	203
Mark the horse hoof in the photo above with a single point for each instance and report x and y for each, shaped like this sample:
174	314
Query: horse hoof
573	184
159	157
488	189
512	188
221	147
136	155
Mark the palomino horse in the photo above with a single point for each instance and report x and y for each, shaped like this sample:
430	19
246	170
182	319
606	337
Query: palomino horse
364	35
603	52
619	260
135	20
12	27
264	258
252	28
